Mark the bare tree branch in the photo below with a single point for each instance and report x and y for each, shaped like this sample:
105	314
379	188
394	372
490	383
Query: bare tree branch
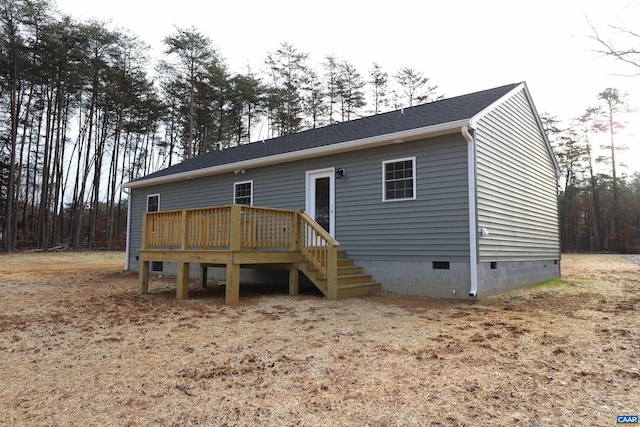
629	55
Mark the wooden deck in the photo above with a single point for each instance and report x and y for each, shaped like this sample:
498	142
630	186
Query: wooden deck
236	236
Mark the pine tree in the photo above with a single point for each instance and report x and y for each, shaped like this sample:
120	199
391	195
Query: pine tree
614	104
415	87
330	66
193	53
379	80
289	71
350	86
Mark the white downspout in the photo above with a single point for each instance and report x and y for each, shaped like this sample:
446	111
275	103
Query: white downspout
473	227
128	248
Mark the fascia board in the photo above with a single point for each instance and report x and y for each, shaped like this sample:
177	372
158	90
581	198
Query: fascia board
542	131
343	147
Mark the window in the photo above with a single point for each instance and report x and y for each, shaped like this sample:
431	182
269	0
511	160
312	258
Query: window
243	193
399	179
153	203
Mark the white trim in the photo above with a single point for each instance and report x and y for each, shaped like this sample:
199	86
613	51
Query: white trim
494	105
310	177
250	181
128	237
152	195
473	227
542	131
342	147
384	180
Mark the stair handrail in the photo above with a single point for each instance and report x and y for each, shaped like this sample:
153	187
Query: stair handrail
320	249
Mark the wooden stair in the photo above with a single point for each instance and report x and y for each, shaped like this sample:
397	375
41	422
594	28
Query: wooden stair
351	279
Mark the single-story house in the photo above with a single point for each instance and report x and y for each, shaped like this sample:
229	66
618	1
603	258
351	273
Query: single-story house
455	198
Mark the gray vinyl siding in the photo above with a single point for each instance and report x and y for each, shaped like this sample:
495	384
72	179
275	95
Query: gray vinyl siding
432	227
516	186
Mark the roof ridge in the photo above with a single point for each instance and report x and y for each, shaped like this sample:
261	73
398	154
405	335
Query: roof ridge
397	110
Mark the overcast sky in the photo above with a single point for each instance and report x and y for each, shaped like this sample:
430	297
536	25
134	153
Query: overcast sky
463	46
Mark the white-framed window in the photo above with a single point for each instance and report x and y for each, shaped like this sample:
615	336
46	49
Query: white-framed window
243	193
399	179
153	203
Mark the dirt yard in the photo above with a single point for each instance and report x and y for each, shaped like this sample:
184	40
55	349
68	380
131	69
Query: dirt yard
79	347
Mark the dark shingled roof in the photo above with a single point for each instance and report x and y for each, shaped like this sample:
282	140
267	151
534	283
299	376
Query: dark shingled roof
434	113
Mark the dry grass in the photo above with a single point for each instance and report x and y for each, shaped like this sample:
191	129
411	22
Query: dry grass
79	347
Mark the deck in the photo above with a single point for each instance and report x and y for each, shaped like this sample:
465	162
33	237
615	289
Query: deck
239	236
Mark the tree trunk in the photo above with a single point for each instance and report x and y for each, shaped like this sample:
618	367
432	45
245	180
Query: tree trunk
43	222
80	205
10	237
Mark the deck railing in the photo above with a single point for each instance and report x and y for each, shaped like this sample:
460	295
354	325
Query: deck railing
232	227
208	227
240	227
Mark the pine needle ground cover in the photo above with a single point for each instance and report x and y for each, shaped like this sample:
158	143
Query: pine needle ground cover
78	346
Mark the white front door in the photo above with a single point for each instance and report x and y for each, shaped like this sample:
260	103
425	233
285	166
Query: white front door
321	198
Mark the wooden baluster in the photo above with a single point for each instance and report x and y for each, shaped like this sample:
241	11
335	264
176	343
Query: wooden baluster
277	230
161	222
178	233
227	228
220	225
251	220
217	226
166	225
265	238
193	230
162	231
293	232
205	226
184	230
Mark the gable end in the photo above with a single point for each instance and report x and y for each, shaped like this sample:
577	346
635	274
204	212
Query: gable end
516	184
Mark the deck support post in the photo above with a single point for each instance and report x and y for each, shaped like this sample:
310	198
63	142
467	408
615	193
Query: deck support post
203	275
294	285
182	287
332	272
143	278
232	291
235	228
143	274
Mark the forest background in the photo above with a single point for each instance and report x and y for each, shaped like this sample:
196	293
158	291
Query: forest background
84	109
